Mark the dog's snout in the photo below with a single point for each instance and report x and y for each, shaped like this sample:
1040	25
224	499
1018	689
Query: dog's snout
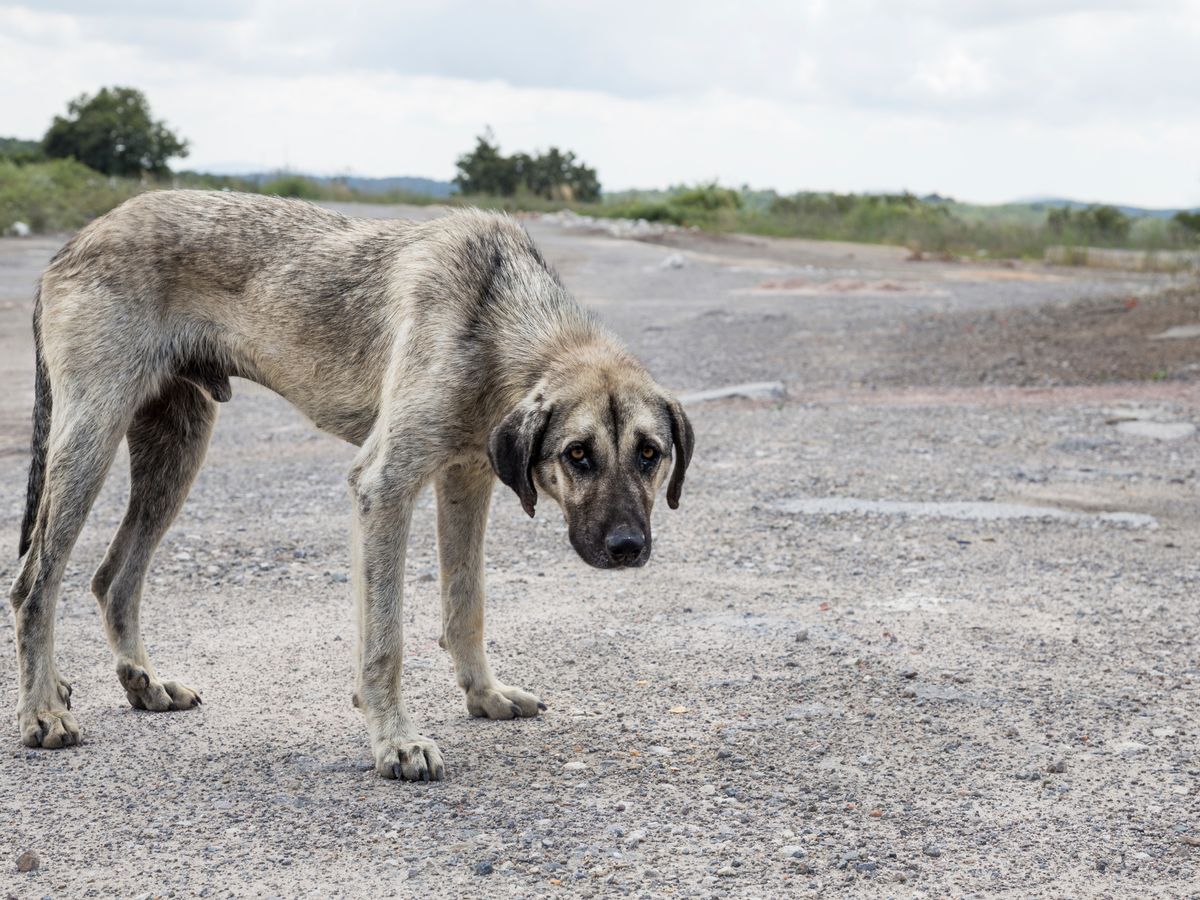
625	544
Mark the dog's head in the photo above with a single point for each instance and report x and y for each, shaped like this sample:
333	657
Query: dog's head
601	441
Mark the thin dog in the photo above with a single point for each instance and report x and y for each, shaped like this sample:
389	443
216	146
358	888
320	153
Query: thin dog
448	351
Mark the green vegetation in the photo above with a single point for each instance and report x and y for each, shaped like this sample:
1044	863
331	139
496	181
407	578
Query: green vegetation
934	225
552	175
1188	221
115	134
21	152
57	195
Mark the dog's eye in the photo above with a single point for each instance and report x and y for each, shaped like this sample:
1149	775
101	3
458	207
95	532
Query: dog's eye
577	454
648	457
648	453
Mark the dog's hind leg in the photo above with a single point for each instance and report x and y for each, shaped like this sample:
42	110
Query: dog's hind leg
463	495
84	435
167	442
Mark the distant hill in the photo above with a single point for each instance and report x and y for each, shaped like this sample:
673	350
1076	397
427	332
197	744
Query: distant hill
1136	212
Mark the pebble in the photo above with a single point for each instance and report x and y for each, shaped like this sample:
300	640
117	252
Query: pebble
484	868
726	872
932	850
1058	766
791	851
28	862
575	766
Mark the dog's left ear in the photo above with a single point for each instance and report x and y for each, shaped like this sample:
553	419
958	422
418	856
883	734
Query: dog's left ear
514	448
683	439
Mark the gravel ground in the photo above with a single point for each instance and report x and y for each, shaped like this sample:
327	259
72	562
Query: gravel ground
992	690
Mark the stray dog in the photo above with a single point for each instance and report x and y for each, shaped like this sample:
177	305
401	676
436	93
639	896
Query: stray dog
448	351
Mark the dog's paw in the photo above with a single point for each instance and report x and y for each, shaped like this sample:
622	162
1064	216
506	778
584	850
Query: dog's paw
49	726
413	758
502	702
148	692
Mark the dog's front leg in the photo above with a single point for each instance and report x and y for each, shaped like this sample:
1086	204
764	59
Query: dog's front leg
464	492
384	493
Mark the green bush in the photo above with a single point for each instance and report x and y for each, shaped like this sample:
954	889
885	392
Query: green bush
21	151
1105	225
57	195
292	186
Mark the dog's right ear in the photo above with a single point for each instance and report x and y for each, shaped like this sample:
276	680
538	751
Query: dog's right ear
514	448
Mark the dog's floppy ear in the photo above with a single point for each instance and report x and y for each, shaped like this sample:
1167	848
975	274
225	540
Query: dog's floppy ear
683	438
515	447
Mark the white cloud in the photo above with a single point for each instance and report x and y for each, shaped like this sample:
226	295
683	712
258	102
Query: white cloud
986	101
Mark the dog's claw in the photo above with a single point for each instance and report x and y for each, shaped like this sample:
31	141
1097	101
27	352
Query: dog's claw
542	706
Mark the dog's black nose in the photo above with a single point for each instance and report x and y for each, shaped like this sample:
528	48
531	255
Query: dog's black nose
625	544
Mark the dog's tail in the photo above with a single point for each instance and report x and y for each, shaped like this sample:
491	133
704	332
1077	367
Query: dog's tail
41	429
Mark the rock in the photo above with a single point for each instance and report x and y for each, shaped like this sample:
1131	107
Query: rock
1057	767
20	229
1177	332
28	862
812	710
339	577
726	872
1159	431
756	390
1131	748
1192	840
575	766
674	261
865	867
931	850
791	851
908	674
484	868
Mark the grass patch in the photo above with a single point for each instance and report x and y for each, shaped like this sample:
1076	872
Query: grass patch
57	195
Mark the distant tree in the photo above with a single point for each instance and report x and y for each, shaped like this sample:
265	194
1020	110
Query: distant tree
114	132
554	174
1188	221
20	151
485	170
1093	223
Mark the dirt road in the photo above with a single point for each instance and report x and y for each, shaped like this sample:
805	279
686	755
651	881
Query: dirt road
926	627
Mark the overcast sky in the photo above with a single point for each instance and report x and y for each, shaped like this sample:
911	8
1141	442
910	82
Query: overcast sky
985	101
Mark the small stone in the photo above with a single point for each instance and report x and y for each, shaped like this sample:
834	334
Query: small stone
726	872
791	851
339	577
28	862
1159	431
1192	840
484	868
932	850
865	867
1057	767
908	674
575	766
